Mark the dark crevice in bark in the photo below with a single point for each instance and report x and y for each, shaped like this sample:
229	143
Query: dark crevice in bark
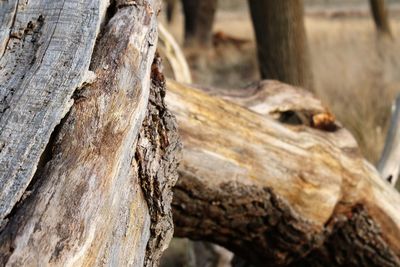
263	230
33	30
158	166
252	222
354	240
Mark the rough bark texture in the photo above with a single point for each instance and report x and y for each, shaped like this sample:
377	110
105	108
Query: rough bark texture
102	191
45	49
279	194
199	19
158	156
380	16
281	41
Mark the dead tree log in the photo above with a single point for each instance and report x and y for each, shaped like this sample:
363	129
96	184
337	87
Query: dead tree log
96	189
279	194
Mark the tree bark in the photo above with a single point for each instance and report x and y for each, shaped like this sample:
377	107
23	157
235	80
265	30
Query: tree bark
279	193
96	189
281	41
199	20
380	16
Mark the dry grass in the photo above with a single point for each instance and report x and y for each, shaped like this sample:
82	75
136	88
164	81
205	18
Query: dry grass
355	74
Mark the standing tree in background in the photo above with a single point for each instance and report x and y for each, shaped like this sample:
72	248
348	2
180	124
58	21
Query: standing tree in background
199	19
281	41
380	15
170	8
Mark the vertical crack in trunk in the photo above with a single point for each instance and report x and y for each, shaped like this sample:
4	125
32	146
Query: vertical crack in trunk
158	165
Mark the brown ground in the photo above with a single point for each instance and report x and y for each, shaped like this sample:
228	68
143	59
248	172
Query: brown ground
356	74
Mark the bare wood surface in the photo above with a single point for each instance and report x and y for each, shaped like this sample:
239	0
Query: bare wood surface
45	49
7	14
279	193
102	195
389	164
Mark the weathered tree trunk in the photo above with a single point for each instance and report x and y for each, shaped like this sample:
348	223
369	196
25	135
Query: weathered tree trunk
96	189
276	194
281	41
199	20
380	16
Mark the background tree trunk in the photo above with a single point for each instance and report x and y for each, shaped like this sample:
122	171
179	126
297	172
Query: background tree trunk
380	16
281	41
199	20
170	9
96	189
297	193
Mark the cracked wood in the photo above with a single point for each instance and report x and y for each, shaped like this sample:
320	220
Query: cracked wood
102	196
279	193
45	51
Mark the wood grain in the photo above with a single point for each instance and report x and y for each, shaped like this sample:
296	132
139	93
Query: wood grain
47	50
279	193
102	196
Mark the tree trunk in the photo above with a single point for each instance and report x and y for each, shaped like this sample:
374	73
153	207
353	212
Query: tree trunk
95	189
199	20
380	15
281	41
170	8
292	193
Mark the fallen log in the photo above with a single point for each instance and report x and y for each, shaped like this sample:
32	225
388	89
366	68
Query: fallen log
96	189
279	194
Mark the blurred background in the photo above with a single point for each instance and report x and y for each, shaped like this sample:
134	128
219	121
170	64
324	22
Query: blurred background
356	73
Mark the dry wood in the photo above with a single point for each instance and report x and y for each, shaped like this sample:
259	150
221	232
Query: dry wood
102	193
45	49
276	193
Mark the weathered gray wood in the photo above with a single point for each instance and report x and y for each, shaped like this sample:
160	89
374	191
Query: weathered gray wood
7	14
279	193
389	164
103	196
47	54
